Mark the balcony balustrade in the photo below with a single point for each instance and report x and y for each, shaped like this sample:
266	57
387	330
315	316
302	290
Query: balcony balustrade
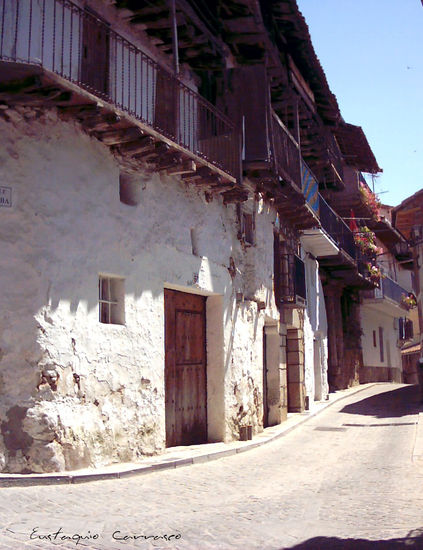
388	297
80	47
325	231
285	152
337	229
388	288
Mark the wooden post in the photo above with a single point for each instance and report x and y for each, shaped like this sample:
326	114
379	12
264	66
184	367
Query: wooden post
174	37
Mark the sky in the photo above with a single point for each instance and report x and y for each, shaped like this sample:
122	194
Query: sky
372	54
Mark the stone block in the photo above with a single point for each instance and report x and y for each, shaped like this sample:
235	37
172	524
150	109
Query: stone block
295	345
295	374
295	358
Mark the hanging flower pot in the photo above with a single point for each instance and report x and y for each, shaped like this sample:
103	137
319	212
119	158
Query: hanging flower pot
374	273
370	200
365	239
409	301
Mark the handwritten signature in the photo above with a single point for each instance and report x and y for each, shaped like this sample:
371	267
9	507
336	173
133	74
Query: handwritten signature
60	536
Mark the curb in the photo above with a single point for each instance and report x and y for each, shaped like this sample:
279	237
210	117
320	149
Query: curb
68	479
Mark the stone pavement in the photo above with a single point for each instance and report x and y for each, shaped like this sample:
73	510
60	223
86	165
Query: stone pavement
350	477
178	456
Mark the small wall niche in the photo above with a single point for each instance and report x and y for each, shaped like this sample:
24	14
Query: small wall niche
130	188
194	241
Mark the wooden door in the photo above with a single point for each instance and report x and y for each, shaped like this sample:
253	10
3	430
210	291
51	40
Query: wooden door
185	369
95	53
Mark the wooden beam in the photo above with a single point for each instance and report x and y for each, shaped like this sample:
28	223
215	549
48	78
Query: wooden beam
121	135
186	8
185	167
136	147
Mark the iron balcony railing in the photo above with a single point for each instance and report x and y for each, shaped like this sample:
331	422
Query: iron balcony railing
388	288
285	151
82	48
289	163
337	229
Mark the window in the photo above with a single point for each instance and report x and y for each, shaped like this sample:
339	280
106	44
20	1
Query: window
406	329
246	220
248	228
374	339
111	300
290	277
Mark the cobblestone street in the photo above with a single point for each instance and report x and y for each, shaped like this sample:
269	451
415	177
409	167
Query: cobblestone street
346	474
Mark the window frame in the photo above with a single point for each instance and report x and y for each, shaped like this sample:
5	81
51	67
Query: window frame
111	307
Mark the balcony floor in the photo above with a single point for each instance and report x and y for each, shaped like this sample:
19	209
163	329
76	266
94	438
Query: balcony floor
136	146
385	305
319	243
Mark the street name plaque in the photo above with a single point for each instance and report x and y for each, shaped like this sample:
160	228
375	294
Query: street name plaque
5	197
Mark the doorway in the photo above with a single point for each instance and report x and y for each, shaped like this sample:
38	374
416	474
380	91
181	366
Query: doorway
185	368
95	53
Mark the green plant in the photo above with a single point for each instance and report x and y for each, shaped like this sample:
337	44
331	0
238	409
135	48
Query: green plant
409	300
365	239
374	272
371	200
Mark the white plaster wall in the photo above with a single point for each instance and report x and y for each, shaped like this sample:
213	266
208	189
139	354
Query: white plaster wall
244	325
315	330
404	279
371	320
66	226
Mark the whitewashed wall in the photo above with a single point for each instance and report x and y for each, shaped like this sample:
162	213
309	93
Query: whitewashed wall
65	227
315	334
371	320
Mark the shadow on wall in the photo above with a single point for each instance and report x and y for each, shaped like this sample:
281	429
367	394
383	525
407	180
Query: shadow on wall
403	401
414	539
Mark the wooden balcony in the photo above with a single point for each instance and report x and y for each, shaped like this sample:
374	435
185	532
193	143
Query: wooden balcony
273	163
321	151
55	54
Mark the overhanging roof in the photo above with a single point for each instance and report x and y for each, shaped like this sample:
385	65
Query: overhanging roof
355	148
409	213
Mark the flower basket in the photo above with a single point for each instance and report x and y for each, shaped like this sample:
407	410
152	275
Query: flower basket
370	200
365	239
409	301
375	273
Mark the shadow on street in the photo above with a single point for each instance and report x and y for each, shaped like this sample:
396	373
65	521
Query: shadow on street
391	404
414	539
